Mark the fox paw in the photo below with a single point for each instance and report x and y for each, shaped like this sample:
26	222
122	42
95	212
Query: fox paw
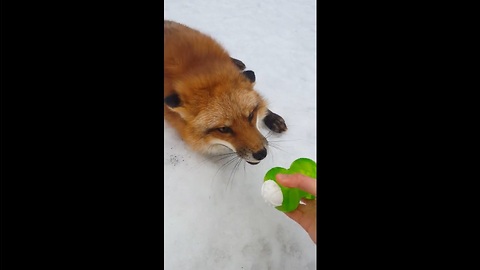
275	122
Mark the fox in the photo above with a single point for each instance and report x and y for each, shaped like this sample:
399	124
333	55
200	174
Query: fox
209	97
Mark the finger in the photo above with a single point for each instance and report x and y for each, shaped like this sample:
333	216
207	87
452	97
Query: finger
300	181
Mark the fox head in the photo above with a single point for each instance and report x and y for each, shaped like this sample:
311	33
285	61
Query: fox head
220	111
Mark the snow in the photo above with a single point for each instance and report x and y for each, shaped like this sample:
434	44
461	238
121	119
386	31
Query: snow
215	216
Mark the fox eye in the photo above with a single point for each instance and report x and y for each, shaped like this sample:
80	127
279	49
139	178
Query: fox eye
250	117
225	130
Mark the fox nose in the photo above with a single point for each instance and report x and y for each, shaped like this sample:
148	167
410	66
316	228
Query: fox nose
260	154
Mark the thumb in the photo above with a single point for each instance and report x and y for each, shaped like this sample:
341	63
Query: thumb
299	181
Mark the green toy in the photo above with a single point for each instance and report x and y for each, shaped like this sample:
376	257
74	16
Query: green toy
283	198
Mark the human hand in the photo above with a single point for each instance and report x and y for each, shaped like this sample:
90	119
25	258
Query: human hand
305	214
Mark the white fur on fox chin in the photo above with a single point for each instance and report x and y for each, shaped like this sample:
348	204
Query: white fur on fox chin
220	147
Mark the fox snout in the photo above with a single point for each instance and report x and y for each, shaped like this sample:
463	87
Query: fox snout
254	154
259	155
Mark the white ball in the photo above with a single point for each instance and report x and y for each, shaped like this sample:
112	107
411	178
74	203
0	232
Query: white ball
272	193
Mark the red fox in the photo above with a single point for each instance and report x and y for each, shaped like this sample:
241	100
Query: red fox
209	97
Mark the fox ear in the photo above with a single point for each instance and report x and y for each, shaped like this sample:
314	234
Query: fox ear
238	63
172	101
250	75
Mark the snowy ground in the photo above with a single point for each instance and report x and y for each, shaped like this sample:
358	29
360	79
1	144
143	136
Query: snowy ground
216	219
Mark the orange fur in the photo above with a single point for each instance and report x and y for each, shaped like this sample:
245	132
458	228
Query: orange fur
213	94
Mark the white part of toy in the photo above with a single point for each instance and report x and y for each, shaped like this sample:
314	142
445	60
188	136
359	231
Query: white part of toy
272	193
